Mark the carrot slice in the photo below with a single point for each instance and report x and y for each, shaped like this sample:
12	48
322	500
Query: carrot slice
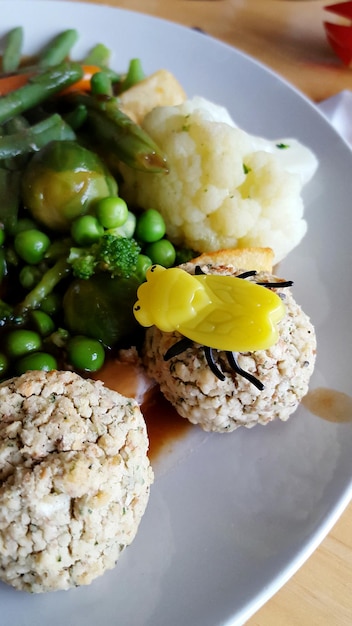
84	83
12	82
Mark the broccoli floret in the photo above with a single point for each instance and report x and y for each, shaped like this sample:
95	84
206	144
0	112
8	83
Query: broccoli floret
113	254
83	263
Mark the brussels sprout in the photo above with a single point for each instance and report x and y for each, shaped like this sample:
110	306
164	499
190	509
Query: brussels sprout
102	308
63	181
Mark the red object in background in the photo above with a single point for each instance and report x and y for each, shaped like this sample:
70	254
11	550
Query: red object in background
340	35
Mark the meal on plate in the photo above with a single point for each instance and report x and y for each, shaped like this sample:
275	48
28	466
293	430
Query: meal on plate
132	219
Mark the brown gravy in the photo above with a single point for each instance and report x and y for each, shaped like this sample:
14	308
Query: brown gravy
164	425
329	404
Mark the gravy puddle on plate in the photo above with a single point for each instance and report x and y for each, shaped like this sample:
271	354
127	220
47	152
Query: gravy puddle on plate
164	425
329	404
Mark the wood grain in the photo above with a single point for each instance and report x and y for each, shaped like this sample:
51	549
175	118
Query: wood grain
288	36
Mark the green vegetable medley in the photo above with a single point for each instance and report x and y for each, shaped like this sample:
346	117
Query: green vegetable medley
72	253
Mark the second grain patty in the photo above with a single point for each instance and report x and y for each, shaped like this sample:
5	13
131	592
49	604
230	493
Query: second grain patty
222	406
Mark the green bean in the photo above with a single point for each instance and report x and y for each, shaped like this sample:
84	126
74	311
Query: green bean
77	117
13	49
9	198
51	278
98	55
39	88
16	124
116	133
35	137
58	48
134	75
101	84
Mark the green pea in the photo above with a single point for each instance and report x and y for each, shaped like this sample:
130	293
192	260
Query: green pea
25	223
112	212
162	253
29	276
85	354
150	226
4	363
127	229
42	322
37	361
51	304
31	245
86	230
144	262
20	342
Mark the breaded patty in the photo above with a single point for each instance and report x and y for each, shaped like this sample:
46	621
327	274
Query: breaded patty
74	479
200	396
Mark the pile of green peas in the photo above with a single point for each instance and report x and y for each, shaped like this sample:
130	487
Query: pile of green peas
113	216
25	346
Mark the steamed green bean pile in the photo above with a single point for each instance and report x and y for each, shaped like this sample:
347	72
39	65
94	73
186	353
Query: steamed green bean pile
72	253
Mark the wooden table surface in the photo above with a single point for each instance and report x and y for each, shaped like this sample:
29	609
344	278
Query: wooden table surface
289	37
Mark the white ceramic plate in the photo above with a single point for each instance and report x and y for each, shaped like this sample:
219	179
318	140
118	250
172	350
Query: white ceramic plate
231	517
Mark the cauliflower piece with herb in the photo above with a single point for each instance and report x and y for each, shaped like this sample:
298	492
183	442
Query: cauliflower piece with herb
74	479
225	188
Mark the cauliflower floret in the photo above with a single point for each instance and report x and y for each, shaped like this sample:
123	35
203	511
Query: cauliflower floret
225	188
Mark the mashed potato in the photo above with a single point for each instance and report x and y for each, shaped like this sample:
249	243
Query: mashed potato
225	188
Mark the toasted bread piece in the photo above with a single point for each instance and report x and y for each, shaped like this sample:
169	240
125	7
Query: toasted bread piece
260	259
159	89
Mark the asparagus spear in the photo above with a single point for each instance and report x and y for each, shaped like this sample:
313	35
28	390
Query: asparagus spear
116	133
48	282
